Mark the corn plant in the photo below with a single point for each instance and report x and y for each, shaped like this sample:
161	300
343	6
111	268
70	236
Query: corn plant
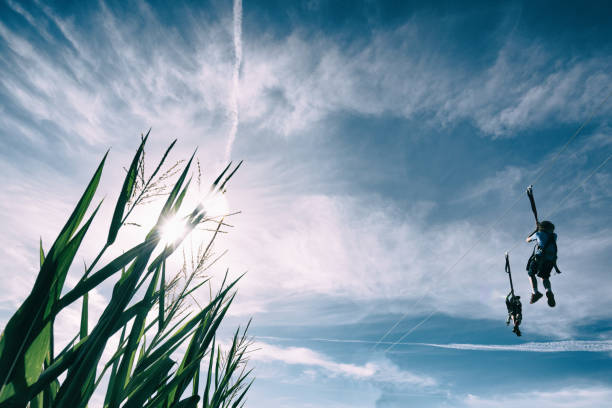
169	360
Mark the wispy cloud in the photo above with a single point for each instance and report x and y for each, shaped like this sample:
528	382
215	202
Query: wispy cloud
301	80
382	371
100	95
367	253
569	397
234	97
286	85
75	97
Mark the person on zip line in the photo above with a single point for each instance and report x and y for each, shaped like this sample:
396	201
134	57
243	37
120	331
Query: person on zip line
543	260
513	303
515	312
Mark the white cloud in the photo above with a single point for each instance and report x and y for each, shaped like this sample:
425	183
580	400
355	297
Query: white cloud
291	84
293	241
382	371
503	183
368	250
286	86
571	397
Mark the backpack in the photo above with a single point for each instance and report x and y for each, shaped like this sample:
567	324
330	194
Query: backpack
550	248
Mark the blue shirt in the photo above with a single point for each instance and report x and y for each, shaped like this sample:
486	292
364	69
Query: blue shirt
542	237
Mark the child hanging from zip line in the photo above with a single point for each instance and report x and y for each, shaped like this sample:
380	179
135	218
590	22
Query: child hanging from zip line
543	260
515	312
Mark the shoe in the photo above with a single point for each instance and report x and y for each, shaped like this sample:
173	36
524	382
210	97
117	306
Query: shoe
551	299
517	331
535	297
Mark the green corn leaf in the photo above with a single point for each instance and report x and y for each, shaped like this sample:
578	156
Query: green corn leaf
67	356
38	401
47	377
164	393
191	402
84	316
181	196
180	334
113	375
80	209
71	394
125	194
148	183
50	393
207	388
106	272
41	253
175	191
28	363
83	329
161	162
162	295
214	184
146	383
25	326
196	382
43	399
243	394
32	378
125	368
230	176
189	357
65	260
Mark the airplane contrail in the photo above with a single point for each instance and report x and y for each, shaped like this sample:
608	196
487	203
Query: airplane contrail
235	78
597	346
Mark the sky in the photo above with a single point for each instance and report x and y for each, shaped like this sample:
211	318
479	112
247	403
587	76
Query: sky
387	147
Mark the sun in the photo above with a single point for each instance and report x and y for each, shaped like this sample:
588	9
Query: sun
172	230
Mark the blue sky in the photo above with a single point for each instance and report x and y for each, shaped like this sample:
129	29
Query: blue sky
387	148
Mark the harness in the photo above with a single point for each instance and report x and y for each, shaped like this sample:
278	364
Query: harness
551	240
540	259
513	304
548	242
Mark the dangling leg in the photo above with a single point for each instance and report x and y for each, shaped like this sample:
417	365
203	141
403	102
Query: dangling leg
535	294
546	283
534	283
516	320
549	293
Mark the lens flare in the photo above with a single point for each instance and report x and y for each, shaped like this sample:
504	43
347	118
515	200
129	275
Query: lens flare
216	205
172	230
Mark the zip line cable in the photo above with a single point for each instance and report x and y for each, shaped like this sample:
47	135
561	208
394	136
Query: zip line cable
557	208
560	204
576	133
491	226
397	323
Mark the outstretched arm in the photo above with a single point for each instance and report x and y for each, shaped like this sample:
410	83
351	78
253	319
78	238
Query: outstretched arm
532	236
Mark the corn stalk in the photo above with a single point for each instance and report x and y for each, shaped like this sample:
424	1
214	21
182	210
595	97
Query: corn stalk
140	373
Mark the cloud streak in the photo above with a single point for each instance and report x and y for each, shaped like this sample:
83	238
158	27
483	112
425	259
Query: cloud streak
569	397
234	97
303	80
592	346
382	371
